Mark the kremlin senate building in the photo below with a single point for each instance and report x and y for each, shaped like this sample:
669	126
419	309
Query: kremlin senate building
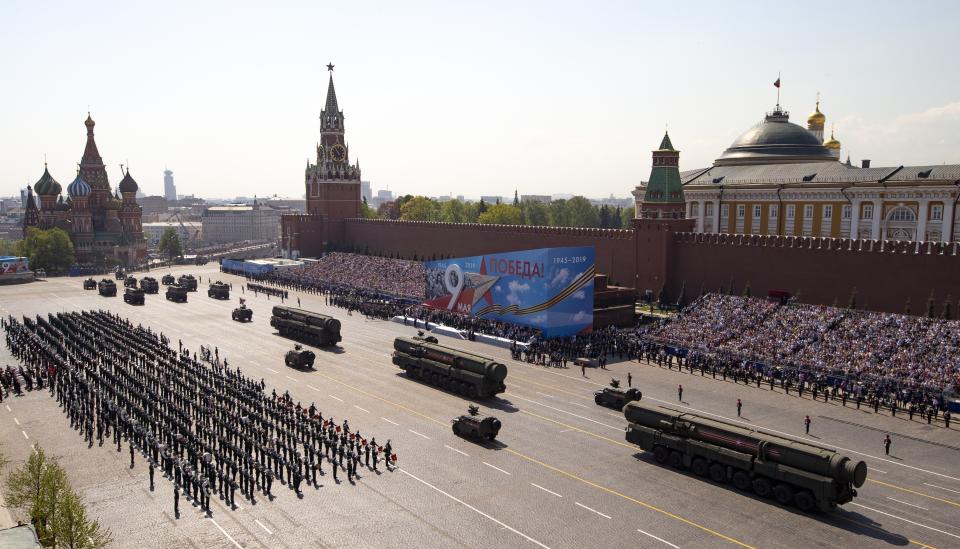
101	224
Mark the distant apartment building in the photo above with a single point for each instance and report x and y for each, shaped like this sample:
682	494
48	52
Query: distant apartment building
169	189
541	198
238	222
365	190
153	204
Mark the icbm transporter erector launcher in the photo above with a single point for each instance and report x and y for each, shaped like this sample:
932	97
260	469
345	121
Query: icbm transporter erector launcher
470	375
306	326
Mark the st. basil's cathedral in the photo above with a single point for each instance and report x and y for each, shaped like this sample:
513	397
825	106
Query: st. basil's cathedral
101	224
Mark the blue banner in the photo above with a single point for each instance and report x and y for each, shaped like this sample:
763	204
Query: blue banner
550	289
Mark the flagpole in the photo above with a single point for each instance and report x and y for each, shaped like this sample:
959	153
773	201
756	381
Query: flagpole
778	90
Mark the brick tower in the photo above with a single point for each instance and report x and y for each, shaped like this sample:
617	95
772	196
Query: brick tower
663	197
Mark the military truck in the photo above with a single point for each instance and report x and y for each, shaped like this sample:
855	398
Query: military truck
168	280
615	397
133	296
90	284
149	285
461	372
130	282
219	290
119	274
790	470
299	357
306	326
107	288
176	293
188	282
242	314
474	426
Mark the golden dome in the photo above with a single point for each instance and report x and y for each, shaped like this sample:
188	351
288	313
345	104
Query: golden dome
832	143
816	118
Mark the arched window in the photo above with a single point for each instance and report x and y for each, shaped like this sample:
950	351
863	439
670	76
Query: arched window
901	214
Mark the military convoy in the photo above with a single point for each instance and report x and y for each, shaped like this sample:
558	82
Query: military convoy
176	293
168	279
474	426
470	375
791	471
90	284
130	282
107	288
219	290
242	314
149	285
188	282
614	397
133	296
306	326
300	357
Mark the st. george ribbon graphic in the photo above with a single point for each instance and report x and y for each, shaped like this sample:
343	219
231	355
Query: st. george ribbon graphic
550	289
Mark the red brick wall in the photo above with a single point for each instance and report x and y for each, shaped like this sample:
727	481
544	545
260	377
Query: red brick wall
306	233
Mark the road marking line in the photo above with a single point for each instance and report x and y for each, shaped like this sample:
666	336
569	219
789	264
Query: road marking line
25	435
17	421
905	503
8	407
389	421
335	398
615	428
942	488
875	470
361	409
455	450
314	388
628	498
474	509
544	394
580	405
547	491
594	510
901	488
658	539
579	430
419	434
265	529
229	537
290	378
495	467
906	520
272	370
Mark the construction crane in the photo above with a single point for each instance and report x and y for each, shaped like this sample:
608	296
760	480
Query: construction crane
192	239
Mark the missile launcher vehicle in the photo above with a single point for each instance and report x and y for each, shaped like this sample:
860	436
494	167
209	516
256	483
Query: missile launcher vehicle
306	326
461	372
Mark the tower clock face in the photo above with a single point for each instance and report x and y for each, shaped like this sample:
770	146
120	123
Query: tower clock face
339	152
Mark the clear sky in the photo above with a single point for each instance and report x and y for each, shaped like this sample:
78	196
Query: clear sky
461	97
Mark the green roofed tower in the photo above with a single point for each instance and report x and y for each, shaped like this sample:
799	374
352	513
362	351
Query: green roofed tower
663	193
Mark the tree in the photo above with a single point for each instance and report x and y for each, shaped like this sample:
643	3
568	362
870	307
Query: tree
559	216
616	220
535	213
47	249
516	198
482	207
420	208
170	244
852	302
73	529
503	214
388	210
626	218
582	213
453	211
603	217
366	211
8	247
34	487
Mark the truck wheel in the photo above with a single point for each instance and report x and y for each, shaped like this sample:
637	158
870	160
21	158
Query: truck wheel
660	454
717	473
473	392
762	487
598	400
783	494
700	467
456	429
804	501
741	480
676	460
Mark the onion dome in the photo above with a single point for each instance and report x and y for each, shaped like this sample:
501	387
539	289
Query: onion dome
47	186
832	143
127	184
816	118
78	188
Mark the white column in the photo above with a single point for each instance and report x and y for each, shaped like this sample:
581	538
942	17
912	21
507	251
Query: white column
922	220
716	216
877	214
701	204
855	218
947	223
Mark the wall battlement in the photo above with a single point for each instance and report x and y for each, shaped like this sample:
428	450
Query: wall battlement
624	234
821	243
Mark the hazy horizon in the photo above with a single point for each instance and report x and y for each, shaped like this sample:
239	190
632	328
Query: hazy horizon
544	98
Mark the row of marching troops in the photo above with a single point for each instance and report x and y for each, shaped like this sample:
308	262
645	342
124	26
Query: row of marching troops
209	428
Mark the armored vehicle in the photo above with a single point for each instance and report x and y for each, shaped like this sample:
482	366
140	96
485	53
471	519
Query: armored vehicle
176	293
470	375
790	470
119	274
219	290
107	288
149	285
474	426
90	284
242	314
299	357
308	327
133	296
614	397
188	282
130	282
168	280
